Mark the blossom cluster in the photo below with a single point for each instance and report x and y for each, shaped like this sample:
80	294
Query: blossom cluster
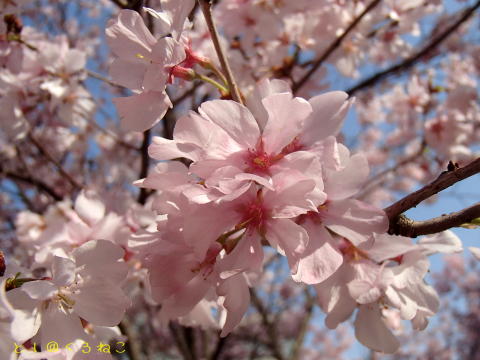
275	175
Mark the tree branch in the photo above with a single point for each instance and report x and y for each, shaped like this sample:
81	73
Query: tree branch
411	61
147	134
218	348
269	326
206	6
333	46
445	180
133	344
406	227
145	162
297	346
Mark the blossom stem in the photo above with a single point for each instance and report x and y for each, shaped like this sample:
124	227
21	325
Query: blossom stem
223	91
206	6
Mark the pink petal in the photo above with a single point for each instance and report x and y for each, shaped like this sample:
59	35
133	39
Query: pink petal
97	251
320	259
89	207
166	53
63	271
233	118
286	116
389	247
100	302
288	238
40	289
237	299
127	73
355	220
128	36
445	242
329	110
349	180
263	89
140	112
165	149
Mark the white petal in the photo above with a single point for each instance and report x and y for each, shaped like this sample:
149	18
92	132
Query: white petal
372	332
445	242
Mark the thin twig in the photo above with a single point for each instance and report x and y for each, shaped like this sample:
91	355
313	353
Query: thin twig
333	46
51	159
100	77
378	179
206	6
411	61
406	227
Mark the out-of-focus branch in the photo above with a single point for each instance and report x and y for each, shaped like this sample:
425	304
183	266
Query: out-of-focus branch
406	227
269	326
180	341
2	264
51	159
333	46
297	345
206	6
218	348
39	184
411	61
445	180
132	4
133	344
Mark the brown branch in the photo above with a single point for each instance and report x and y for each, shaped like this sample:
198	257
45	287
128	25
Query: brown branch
406	227
269	326
411	61
206	6
445	180
218	348
333	46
